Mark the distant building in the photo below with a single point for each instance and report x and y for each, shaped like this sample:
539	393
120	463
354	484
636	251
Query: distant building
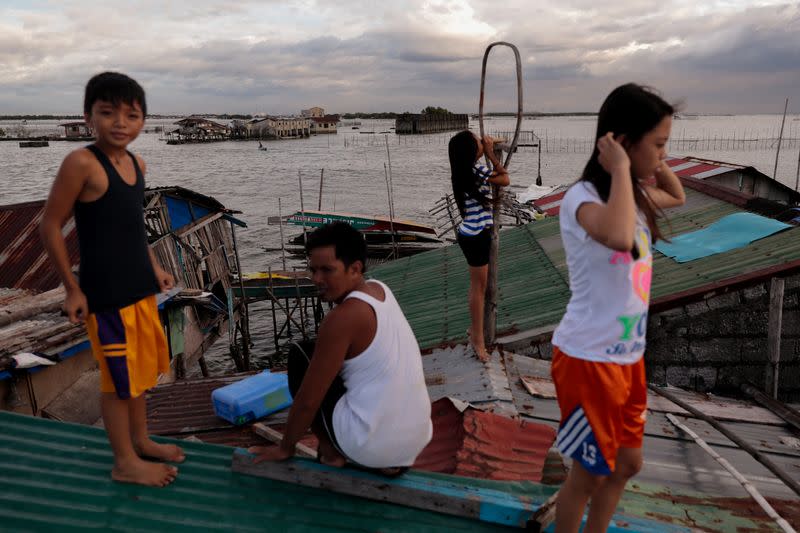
195	125
76	130
279	127
324	124
737	177
313	112
413	123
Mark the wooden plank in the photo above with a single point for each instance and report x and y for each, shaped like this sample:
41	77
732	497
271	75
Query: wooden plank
757	455
276	436
538	387
546	514
790	415
774	335
410	489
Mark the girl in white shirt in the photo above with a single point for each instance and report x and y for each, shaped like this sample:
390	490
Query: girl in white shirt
471	189
608	223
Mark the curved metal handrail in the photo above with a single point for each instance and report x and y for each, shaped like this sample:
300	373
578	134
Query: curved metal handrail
519	95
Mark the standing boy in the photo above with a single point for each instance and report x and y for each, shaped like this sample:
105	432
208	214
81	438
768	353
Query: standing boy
103	184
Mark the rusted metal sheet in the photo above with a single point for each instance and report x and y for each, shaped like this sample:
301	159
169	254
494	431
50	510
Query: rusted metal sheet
457	373
672	459
485	445
23	259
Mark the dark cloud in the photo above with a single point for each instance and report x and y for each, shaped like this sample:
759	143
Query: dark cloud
365	56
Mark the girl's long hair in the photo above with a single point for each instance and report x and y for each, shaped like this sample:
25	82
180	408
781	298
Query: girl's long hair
463	149
632	110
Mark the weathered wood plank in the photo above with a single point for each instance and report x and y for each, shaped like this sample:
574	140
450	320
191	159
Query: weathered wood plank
774	335
276	437
410	489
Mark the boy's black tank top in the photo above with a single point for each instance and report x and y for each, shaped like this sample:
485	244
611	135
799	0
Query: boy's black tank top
115	269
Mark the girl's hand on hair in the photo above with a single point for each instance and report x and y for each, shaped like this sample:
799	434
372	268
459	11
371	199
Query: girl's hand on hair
488	144
613	157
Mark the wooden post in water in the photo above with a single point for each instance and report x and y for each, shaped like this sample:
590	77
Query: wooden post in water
280	225
245	319
797	175
774	335
321	178
391	211
303	211
780	138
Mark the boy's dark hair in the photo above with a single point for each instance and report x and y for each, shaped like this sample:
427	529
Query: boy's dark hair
348	242
113	87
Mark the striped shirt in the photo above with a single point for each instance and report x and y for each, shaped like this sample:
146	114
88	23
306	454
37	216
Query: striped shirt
476	216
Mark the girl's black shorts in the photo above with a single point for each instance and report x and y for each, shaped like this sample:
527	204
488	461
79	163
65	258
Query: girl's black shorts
476	248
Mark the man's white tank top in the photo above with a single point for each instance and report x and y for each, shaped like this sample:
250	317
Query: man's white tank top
384	418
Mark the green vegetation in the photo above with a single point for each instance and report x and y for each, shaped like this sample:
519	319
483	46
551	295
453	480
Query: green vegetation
431	110
384	115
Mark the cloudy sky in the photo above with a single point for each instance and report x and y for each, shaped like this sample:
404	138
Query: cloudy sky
278	56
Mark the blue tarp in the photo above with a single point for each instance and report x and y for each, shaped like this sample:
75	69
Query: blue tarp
728	233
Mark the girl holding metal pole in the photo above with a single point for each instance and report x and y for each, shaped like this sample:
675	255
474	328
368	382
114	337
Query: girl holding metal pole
608	222
471	188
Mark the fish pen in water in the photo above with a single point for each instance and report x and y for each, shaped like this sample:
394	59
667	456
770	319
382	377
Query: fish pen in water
734	141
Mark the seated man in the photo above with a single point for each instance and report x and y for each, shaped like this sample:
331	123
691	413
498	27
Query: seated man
362	391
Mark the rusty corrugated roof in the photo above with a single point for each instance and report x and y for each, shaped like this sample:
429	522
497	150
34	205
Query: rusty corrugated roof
474	443
23	260
485	445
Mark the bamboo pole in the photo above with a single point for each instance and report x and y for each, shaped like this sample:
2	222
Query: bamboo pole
757	455
780	138
797	174
303	211
784	525
391	214
245	324
321	180
390	184
280	225
790	415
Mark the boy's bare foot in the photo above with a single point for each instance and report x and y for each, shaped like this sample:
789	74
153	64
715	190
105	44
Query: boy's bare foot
162	452
143	472
328	455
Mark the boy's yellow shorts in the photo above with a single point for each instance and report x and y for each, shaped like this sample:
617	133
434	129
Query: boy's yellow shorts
130	347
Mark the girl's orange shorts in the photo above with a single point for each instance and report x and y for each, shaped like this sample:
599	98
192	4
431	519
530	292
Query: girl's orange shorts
603	408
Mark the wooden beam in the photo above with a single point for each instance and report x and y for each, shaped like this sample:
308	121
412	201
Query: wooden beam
276	437
545	515
411	489
757	455
792	416
774	335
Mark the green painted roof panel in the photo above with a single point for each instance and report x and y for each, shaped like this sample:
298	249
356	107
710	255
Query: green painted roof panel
533	288
55	476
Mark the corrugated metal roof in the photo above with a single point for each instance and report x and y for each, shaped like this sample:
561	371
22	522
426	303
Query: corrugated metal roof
475	443
480	444
686	167
23	260
457	373
533	290
54	476
675	460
